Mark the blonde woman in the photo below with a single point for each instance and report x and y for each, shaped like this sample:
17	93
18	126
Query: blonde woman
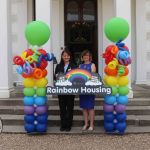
87	102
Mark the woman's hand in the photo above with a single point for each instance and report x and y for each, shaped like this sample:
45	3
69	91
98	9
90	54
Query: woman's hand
93	68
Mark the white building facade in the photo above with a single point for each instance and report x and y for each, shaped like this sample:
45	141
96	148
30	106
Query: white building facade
15	14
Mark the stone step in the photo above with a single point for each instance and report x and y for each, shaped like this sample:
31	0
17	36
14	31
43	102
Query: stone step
76	130
54	110
54	101
136	120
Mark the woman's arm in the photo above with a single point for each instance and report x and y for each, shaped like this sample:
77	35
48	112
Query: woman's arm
56	71
93	67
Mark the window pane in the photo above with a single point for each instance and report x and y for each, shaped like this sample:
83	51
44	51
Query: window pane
72	11
89	11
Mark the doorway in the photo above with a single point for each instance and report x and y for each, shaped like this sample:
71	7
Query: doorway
81	31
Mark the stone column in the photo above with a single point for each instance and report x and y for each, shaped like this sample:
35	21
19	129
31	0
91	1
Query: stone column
123	9
5	49
44	13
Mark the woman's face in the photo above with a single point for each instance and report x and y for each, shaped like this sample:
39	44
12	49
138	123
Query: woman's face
66	57
86	57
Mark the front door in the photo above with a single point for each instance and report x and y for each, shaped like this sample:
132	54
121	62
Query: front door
81	28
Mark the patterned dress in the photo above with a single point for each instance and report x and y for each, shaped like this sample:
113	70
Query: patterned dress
87	101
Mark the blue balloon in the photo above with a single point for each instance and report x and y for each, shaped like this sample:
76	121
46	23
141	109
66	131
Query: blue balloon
42	119
40	101
109	117
29	119
109	127
123	54
122	100
29	128
121	127
28	101
110	99
121	117
41	128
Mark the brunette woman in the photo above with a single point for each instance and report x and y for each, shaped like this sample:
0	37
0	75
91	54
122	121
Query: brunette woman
66	102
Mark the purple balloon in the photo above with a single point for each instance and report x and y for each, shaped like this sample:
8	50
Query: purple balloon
28	110
108	108
41	110
120	108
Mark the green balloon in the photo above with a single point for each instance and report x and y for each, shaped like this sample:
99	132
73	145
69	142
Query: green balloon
29	91
41	91
114	90
116	29
123	90
37	33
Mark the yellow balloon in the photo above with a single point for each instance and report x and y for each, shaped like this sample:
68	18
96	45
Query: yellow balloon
28	82
105	79
113	64
111	80
123	81
41	82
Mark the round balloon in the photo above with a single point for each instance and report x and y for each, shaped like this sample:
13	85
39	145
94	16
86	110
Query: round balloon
111	80
41	83
109	117
114	90
123	90
110	100
108	108
29	127
109	127
41	91
116	29
29	91
123	81
37	33
28	82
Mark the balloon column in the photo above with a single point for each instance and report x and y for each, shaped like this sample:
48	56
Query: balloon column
117	58
32	66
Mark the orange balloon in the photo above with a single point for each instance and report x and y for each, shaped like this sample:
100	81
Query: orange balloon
126	72
26	76
38	74
110	72
44	73
114	50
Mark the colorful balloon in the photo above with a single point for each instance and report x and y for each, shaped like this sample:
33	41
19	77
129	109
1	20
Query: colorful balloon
123	81
28	82
123	90
116	29
37	33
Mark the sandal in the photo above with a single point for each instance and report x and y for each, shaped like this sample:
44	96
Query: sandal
84	127
90	129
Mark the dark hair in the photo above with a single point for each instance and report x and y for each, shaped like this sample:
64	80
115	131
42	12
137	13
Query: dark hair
65	51
86	52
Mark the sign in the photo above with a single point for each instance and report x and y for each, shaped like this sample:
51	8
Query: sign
77	82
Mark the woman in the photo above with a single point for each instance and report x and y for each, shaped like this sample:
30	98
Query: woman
87	102
66	102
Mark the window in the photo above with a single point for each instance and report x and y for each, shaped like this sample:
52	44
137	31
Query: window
88	11
72	11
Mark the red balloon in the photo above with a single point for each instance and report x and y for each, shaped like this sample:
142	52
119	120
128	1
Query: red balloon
42	51
43	64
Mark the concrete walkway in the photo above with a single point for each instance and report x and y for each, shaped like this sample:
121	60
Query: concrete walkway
74	142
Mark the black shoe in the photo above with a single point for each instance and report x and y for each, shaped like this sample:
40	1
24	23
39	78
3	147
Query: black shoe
68	129
62	129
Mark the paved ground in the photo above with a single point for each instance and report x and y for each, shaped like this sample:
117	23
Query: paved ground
74	142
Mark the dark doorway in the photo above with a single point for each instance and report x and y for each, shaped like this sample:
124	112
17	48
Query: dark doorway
81	28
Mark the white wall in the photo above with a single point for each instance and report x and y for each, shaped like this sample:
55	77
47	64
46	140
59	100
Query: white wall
105	12
22	13
143	41
133	41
